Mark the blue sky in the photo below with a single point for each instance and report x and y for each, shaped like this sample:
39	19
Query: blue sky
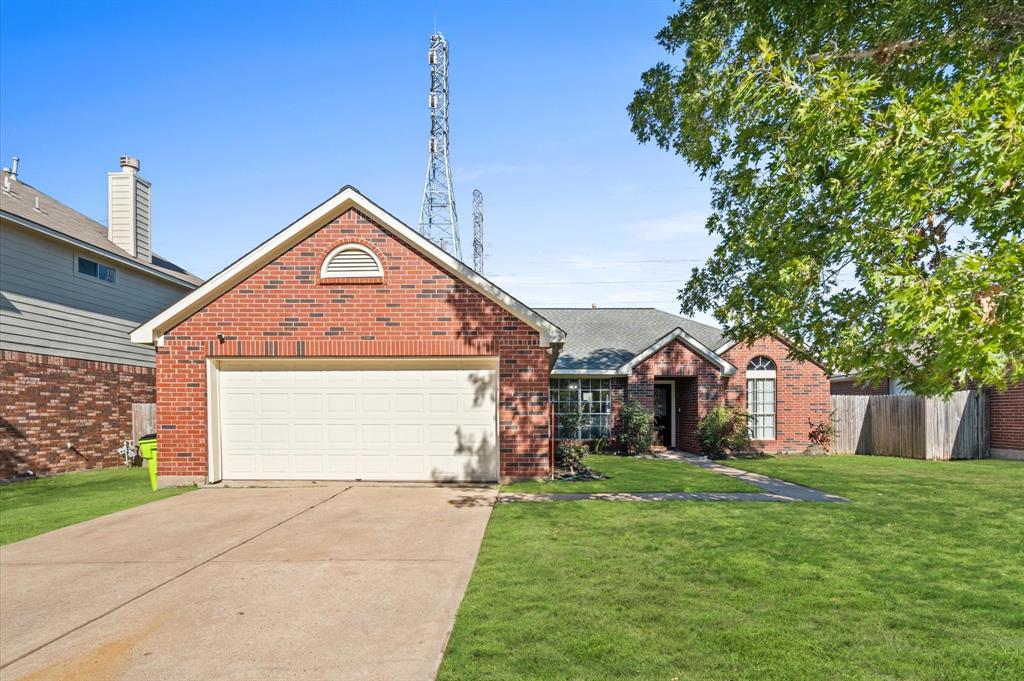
246	115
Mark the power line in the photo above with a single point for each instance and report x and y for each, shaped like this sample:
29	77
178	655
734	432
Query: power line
578	283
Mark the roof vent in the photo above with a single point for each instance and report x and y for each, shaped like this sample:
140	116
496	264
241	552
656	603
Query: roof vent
350	261
128	210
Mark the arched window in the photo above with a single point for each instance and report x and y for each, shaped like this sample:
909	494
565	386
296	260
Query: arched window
761	398
351	261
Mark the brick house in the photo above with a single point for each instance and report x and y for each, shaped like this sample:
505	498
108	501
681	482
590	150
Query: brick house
71	291
348	346
1005	411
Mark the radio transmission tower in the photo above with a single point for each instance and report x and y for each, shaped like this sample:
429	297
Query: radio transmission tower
438	220
478	231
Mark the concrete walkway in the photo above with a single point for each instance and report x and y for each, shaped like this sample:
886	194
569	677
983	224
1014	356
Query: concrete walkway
774	489
314	582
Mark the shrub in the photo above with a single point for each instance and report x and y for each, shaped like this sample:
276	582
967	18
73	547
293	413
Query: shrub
570	455
822	433
569	451
723	431
636	429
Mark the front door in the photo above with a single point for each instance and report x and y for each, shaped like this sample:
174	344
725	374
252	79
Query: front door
663	415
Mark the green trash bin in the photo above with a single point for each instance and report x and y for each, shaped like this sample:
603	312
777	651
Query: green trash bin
147	450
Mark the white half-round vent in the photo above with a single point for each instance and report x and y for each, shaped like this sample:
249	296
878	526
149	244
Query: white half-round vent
349	261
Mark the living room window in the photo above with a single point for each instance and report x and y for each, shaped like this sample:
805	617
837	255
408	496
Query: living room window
591	397
761	398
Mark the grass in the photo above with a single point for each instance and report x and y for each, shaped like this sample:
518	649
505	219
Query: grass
36	506
921	577
631	474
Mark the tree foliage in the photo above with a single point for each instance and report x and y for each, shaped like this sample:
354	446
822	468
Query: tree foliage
866	162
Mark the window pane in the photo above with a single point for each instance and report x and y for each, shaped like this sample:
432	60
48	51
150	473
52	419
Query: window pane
87	267
108	274
761	407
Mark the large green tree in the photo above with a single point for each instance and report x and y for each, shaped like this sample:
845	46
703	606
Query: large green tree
866	161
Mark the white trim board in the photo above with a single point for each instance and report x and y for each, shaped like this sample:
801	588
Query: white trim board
349	197
724	366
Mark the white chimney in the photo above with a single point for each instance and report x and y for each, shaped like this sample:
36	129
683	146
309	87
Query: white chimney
128	216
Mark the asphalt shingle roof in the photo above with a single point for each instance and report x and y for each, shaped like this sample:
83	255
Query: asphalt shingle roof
53	214
607	338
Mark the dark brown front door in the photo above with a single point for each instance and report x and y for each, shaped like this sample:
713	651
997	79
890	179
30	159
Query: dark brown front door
663	415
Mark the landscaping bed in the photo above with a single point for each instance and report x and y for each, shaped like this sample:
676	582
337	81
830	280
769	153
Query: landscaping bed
635	474
920	577
31	507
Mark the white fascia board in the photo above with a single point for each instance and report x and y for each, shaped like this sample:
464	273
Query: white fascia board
345	199
725	347
724	366
94	250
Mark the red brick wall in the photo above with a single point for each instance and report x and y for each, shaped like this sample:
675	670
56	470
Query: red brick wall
1006	418
418	310
698	387
49	401
802	390
851	387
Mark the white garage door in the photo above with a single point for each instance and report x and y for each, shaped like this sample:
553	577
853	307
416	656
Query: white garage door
357	423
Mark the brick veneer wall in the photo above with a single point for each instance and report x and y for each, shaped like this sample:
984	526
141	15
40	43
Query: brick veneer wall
418	310
48	401
850	387
802	390
1006	418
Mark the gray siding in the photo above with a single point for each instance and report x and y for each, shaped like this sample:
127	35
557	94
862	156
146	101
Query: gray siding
47	308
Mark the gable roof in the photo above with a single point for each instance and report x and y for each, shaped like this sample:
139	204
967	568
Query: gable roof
54	219
347	197
605	340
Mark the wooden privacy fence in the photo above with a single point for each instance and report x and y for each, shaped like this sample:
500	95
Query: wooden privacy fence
912	427
143	419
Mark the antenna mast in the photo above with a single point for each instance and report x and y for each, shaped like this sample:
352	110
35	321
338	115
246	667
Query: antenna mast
478	231
438	220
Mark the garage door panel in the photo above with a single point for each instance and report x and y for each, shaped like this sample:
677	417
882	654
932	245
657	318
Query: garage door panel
374	403
340	403
348	424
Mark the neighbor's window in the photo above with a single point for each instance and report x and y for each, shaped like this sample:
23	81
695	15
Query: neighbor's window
761	398
592	397
96	270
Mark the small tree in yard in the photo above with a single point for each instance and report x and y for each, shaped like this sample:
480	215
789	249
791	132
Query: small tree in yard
636	429
571	450
723	431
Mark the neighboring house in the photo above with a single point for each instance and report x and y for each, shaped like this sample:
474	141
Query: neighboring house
348	346
1006	411
71	291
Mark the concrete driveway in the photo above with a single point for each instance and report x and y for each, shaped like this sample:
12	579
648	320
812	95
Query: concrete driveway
314	581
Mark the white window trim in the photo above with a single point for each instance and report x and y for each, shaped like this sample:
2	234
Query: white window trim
112	284
324	274
763	374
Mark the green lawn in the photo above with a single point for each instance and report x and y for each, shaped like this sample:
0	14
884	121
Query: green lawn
35	506
631	474
921	577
